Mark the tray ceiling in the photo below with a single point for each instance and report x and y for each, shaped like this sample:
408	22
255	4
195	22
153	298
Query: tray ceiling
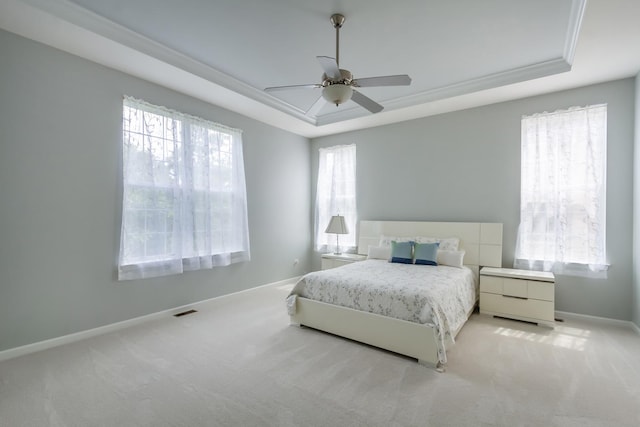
236	48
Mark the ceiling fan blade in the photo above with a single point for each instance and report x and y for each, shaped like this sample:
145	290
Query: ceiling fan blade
277	88
366	102
330	67
316	107
397	80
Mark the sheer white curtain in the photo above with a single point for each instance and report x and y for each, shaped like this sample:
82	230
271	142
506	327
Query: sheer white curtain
563	194
336	195
184	195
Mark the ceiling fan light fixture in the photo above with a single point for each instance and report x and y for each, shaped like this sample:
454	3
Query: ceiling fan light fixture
337	83
337	93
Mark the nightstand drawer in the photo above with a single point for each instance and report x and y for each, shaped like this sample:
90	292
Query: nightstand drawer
518	288
491	284
541	290
328	263
335	260
514	288
333	263
527	309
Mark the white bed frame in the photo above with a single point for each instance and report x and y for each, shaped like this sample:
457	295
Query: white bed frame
482	243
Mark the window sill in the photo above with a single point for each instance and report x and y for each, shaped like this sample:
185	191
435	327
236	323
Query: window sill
564	269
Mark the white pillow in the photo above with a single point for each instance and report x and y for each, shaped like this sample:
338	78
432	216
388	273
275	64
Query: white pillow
386	240
450	258
445	244
379	252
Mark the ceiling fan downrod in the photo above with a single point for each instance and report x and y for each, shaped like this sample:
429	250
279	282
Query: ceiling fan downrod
337	20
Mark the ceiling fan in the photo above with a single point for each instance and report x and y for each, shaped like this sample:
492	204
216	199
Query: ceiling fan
337	84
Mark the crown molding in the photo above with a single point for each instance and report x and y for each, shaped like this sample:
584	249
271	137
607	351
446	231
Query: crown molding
575	23
133	53
516	75
77	15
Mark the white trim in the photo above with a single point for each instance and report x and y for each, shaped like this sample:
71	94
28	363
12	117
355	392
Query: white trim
80	16
62	26
118	326
607	320
98	39
76	15
575	22
491	81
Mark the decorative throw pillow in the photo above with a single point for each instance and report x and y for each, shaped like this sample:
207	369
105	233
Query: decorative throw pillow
451	258
402	252
379	252
426	253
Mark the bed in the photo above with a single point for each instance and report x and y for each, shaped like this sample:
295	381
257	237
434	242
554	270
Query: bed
424	333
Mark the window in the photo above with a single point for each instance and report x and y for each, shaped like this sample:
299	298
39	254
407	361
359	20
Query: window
563	204
184	196
336	195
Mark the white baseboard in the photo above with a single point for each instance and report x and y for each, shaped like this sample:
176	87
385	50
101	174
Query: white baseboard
66	339
635	328
626	323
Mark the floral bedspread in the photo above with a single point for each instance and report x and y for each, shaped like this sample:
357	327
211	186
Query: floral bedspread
440	296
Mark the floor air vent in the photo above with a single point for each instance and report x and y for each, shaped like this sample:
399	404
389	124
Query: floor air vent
184	313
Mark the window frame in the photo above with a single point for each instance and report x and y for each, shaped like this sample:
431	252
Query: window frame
205	166
336	197
563	191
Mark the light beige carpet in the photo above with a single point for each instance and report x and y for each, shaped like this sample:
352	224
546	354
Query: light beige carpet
237	362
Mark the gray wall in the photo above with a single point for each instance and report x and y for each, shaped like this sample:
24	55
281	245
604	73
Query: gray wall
636	209
465	166
60	198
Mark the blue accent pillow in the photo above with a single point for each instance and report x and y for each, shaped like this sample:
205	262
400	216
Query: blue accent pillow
426	253
402	252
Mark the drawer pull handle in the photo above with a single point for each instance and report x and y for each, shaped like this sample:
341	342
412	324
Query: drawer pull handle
511	296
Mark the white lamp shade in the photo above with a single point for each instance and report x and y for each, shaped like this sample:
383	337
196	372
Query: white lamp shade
337	93
337	225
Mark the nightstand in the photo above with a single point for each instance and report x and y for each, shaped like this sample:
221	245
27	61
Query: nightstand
518	294
333	260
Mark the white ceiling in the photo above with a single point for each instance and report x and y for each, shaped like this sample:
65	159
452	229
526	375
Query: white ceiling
459	54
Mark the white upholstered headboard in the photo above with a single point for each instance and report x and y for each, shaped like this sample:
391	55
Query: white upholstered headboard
482	241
